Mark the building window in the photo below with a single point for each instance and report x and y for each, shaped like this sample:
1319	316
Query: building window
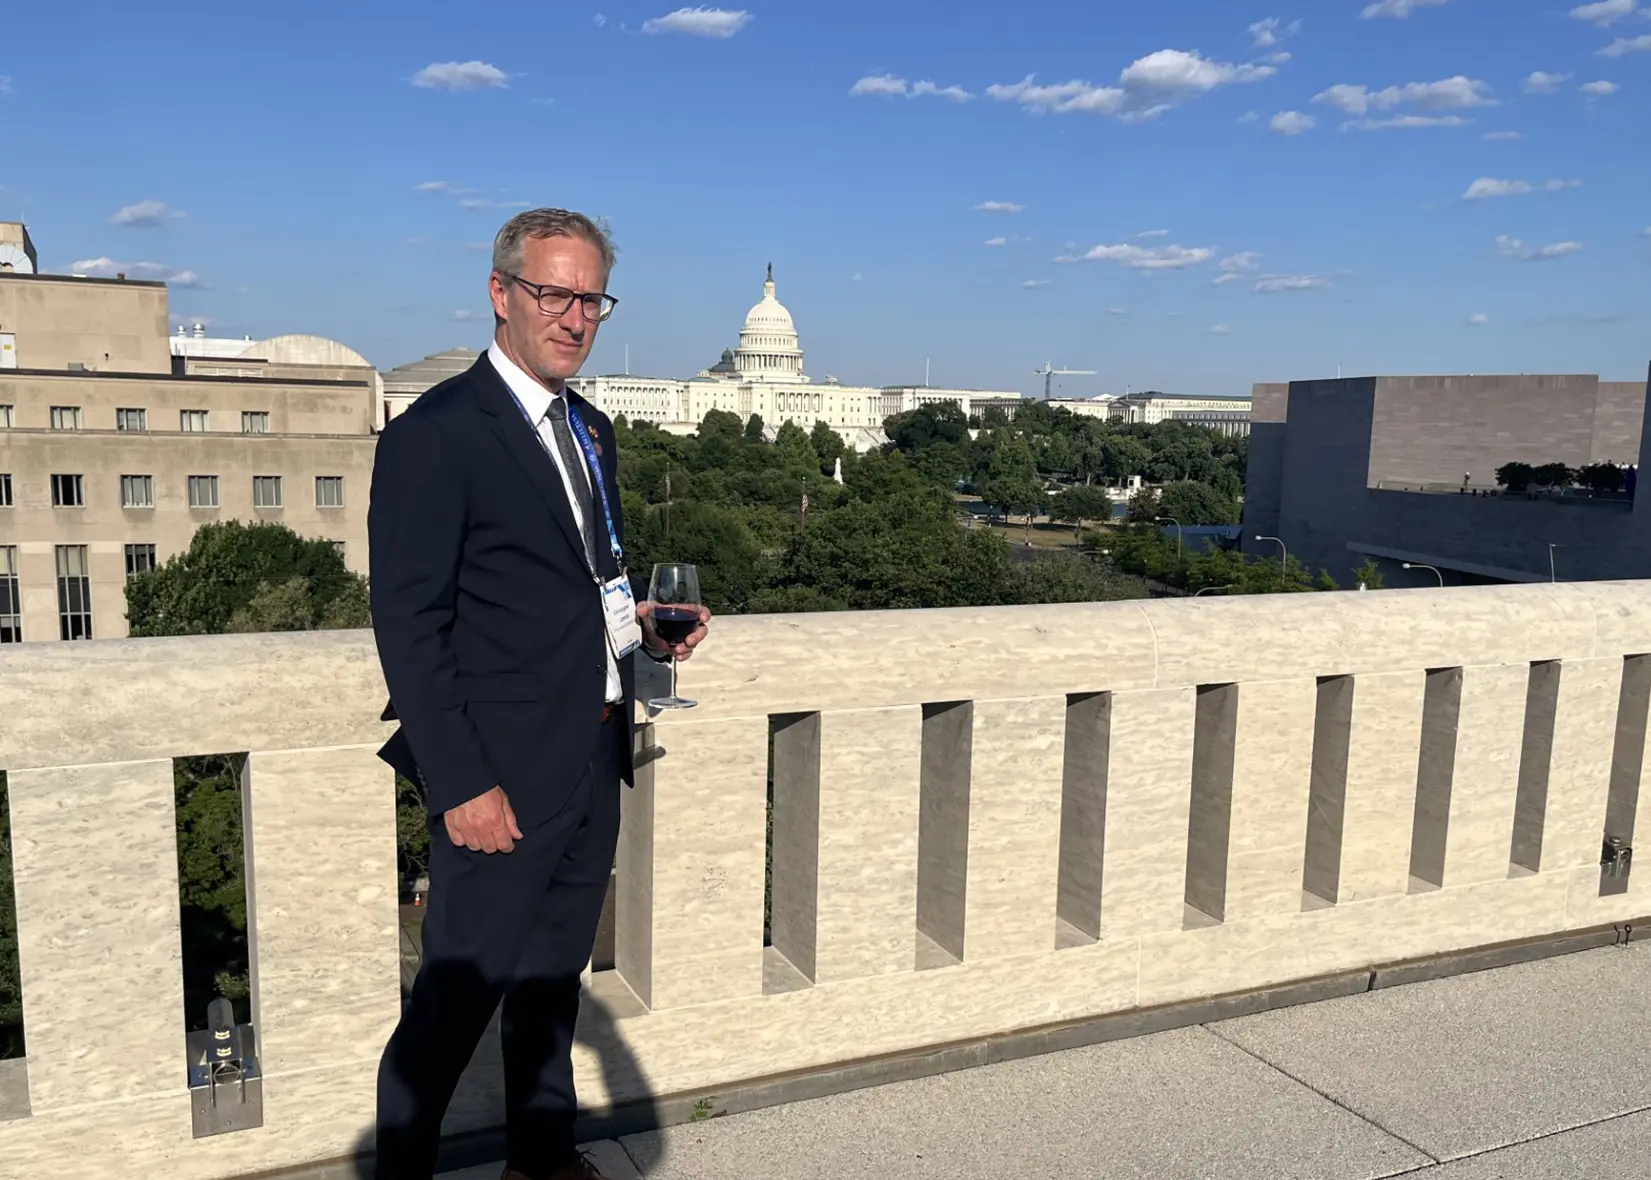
5	417
203	491
65	417
5	490
329	491
11	598
192	421
74	593
266	491
140	559
68	491
132	421
338	548
254	421
137	491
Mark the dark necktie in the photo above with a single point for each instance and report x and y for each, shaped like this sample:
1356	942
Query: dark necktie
578	474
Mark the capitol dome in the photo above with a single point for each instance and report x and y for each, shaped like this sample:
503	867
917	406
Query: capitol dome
769	349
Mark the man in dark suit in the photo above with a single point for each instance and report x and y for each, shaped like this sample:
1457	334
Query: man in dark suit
504	626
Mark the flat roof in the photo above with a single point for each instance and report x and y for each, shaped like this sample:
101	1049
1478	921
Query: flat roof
33	278
185	378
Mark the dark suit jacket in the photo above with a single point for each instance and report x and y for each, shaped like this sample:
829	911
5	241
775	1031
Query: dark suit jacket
488	622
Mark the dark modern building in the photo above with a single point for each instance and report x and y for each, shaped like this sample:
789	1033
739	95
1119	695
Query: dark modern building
1403	469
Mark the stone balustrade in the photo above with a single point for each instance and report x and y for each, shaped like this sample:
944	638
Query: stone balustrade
983	821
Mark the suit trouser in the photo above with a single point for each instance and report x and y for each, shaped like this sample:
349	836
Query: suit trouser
515	926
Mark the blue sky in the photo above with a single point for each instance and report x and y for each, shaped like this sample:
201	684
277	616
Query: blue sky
1189	194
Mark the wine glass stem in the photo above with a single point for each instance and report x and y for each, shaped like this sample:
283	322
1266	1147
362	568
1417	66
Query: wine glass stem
673	675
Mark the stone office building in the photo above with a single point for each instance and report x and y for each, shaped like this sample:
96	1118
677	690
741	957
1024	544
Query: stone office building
113	450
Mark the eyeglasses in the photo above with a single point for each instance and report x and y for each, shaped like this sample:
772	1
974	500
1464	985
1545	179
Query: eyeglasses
595	306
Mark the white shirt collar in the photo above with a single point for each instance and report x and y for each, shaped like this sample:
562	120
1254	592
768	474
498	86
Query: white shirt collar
535	398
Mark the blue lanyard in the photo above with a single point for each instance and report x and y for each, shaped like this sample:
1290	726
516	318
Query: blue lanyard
589	449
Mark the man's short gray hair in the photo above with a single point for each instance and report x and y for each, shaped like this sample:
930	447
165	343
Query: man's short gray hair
547	223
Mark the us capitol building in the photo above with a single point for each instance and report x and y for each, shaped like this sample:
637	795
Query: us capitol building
763	376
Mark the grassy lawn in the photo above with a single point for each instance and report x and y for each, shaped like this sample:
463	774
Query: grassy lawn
1044	536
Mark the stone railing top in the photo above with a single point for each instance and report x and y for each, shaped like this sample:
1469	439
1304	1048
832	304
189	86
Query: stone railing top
121	700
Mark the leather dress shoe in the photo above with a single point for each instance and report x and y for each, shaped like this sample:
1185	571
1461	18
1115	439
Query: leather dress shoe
577	1169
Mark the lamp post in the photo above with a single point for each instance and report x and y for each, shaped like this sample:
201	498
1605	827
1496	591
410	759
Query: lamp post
1177	524
1416	565
1552	576
1283	555
1213	589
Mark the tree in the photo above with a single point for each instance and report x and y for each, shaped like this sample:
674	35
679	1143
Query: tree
1602	477
1194	503
247	577
720	424
1553	475
212	885
11	980
1012	481
1078	504
1369	575
916	429
791	442
753	429
828	445
1516	477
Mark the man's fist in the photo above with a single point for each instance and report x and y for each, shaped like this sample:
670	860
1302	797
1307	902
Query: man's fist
484	824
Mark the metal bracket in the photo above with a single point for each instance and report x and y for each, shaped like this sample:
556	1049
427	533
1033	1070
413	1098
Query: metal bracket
1617	858
226	1087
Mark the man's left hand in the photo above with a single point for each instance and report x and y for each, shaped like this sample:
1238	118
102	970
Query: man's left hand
658	646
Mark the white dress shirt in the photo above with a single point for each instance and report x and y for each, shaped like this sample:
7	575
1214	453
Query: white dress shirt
536	399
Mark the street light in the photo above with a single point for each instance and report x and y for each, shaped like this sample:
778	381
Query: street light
1416	565
1552	576
1177	524
1213	589
1283	554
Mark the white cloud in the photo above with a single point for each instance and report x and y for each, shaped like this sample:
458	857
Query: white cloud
1238	267
1034	284
145	215
1221	330
1604	13
700	22
490	203
1292	123
1264	34
950	93
5	83
999	207
858	277
1647	232
884	85
1281	59
1146	88
465	315
1599	89
1496	136
1455	93
1117	311
996	242
1488	186
599	20
1623	46
1153	233
1250	117
1514	248
1398	9
1274	283
1542	82
456	76
108	268
189	321
1405	121
1478	320
1554	186
1159	258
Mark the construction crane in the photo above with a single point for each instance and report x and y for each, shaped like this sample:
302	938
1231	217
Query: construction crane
1049	373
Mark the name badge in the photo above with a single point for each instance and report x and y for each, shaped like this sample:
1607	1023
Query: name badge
619	607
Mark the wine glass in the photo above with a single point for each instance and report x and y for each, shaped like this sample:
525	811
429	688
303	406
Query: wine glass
673	595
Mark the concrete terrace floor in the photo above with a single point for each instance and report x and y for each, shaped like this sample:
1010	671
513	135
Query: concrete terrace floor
1539	1071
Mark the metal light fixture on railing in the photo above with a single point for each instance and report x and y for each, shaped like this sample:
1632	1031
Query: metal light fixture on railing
1416	565
226	1089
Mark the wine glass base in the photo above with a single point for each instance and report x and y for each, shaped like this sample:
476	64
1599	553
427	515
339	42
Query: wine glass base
672	703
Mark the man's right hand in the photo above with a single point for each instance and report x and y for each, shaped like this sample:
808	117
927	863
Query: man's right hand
484	824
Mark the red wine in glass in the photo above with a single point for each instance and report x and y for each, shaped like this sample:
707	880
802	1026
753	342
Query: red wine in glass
673	594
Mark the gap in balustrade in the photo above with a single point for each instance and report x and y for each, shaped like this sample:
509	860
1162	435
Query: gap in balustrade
1435	778
1536	751
1327	795
1083	819
1209	817
943	833
14	1066
791	889
209	794
1627	763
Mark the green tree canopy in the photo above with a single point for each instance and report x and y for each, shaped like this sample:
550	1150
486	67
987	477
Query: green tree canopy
247	577
753	429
